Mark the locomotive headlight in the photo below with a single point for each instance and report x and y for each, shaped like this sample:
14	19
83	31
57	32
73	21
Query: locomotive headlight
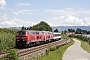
17	40
23	40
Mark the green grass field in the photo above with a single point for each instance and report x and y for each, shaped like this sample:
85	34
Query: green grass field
57	54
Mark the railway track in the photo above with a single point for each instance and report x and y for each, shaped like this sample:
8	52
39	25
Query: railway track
3	53
28	51
41	47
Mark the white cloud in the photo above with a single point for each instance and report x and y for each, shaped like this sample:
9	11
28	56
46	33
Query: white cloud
65	20
5	22
22	4
3	17
69	11
86	20
68	20
25	11
2	3
15	13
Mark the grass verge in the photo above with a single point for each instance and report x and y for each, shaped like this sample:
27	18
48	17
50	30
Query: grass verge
57	54
85	45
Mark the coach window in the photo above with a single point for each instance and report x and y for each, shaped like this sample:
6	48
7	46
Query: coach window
34	33
30	32
37	32
41	32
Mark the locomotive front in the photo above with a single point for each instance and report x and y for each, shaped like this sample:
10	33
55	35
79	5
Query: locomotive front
21	38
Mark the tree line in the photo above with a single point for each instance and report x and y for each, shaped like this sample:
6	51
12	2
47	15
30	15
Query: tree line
77	31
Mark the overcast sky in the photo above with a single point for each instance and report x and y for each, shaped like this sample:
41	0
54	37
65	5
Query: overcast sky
16	13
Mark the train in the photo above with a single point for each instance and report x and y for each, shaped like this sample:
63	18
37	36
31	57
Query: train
27	38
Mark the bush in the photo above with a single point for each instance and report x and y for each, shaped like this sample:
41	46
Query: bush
83	38
12	55
53	48
7	38
48	50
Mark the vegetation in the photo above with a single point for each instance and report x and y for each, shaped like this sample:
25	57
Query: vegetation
7	38
51	49
64	36
23	28
57	54
85	46
83	38
56	30
12	55
42	26
71	30
77	31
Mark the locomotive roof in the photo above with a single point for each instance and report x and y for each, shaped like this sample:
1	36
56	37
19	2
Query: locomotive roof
37	31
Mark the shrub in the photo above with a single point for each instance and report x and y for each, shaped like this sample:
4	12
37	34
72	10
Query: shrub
12	55
53	48
83	38
7	40
48	50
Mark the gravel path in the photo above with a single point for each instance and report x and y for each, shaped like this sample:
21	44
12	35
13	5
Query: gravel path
75	52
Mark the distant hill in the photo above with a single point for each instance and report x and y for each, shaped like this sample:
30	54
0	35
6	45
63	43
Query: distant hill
61	28
15	28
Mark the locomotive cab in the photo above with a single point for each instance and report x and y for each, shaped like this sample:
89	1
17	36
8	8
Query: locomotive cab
21	37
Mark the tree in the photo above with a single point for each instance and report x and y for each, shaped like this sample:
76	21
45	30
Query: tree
62	32
23	28
71	30
56	30
78	31
65	31
83	31
88	32
42	26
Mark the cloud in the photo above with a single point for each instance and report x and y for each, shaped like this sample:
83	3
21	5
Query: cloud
69	11
69	20
22	4
15	13
3	17
25	11
64	20
2	3
5	22
86	20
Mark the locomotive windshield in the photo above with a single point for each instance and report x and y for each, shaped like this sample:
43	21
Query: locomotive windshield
21	32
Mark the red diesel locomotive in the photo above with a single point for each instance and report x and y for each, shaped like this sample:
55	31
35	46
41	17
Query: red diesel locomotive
25	38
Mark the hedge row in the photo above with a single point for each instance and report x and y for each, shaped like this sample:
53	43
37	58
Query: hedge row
81	37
